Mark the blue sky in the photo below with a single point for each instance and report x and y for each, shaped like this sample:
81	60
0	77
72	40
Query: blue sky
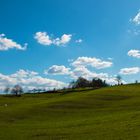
67	39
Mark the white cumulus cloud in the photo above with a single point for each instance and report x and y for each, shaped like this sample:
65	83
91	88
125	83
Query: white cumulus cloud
29	80
44	39
6	44
129	71
86	73
92	61
58	70
134	53
63	40
80	70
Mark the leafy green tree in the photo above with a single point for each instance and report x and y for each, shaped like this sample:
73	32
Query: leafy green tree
96	82
82	82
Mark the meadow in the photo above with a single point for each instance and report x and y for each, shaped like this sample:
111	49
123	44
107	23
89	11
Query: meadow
111	113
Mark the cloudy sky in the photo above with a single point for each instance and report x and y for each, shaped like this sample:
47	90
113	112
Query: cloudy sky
48	43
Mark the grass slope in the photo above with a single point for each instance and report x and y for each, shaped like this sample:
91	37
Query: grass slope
104	114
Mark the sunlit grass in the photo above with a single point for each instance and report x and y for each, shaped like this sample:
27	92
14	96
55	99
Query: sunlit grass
107	113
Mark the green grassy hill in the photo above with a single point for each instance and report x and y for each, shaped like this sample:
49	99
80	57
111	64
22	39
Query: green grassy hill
104	114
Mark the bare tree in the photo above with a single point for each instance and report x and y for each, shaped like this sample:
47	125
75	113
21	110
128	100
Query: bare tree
17	90
7	90
118	79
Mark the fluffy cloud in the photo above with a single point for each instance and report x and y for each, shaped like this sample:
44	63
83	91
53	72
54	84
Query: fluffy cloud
85	73
134	53
58	70
23	74
129	71
63	40
29	80
136	19
6	44
44	39
91	61
79	69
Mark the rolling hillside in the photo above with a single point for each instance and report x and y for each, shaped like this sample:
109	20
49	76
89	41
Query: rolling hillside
104	114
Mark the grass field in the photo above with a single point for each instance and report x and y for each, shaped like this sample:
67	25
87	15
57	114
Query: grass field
104	114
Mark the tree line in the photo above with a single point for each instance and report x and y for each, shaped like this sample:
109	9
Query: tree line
81	82
17	90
